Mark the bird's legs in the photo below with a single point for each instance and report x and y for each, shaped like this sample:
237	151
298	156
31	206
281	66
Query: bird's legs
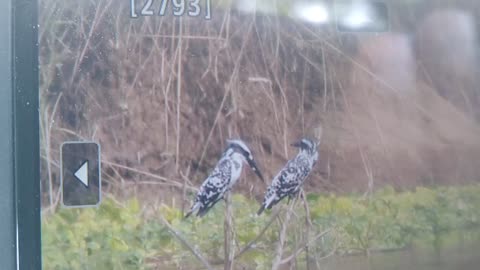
293	195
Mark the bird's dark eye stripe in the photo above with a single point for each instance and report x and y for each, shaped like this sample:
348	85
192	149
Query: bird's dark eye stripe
241	150
306	145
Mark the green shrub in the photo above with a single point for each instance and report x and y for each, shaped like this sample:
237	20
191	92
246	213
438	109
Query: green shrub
121	237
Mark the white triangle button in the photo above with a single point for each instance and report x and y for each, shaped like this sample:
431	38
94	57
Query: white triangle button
82	173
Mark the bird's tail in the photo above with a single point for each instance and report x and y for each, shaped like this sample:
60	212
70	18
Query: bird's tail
267	204
188	214
194	207
205	208
202	212
260	211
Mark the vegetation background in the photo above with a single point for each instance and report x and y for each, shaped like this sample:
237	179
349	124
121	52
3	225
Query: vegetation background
399	114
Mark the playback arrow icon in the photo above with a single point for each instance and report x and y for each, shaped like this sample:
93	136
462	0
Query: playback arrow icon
82	173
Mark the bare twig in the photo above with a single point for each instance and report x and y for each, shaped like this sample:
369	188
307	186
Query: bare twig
421	109
252	243
228	233
48	132
184	189
308	225
175	183
227	91
182	240
363	156
324	68
99	13
331	253
277	261
308	219
216	38
165	180
179	92
296	253
262	232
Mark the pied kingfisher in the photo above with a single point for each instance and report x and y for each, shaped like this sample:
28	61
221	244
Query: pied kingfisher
223	177
290	179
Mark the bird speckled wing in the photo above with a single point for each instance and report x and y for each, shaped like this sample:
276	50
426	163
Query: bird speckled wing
223	177
215	186
291	177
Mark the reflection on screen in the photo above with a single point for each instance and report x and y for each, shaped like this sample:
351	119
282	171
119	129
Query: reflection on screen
222	134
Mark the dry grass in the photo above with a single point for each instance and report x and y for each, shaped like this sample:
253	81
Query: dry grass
162	95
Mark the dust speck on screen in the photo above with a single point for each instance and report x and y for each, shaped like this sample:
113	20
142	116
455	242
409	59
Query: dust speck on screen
243	134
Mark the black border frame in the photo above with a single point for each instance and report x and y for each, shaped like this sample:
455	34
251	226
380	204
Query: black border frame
26	153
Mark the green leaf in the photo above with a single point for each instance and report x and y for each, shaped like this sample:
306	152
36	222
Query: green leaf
118	245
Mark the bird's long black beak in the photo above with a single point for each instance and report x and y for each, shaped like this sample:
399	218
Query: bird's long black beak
254	167
297	144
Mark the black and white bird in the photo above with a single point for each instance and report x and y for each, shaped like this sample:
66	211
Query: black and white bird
223	177
290	179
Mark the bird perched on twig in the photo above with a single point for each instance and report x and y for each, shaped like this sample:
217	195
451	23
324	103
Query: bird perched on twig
223	177
289	180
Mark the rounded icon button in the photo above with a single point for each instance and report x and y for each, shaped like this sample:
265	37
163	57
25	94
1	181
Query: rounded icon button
80	174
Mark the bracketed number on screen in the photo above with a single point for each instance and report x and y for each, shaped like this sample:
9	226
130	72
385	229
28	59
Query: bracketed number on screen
191	8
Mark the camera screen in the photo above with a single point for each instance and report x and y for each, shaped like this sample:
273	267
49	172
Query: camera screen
242	134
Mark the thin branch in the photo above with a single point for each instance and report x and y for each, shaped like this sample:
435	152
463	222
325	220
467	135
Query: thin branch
324	68
48	132
296	253
172	182
184	189
228	233
99	13
365	69
277	261
184	37
363	156
262	232
307	208
331	253
182	240
308	225
252	243
179	92
227	91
